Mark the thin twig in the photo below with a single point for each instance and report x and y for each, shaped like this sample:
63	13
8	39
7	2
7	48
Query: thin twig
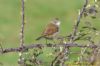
78	21
22	26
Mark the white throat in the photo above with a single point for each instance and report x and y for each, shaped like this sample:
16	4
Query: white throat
58	23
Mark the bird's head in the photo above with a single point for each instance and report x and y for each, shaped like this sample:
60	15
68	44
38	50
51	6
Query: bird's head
56	21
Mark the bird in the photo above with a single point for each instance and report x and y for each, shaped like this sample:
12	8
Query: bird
51	30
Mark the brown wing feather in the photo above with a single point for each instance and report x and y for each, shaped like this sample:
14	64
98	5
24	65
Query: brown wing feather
50	29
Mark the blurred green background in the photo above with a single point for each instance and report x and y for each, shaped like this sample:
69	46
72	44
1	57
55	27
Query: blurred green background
37	14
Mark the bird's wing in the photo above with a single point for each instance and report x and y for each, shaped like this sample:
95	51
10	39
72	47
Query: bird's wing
50	29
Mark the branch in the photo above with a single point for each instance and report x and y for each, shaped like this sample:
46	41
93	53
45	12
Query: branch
78	21
21	60
31	46
22	25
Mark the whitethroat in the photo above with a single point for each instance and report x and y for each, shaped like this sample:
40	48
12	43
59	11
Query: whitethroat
51	30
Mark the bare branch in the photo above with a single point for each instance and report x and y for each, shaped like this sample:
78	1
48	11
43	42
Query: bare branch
22	26
31	46
21	60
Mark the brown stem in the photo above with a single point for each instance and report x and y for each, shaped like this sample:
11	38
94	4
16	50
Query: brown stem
21	59
22	26
31	46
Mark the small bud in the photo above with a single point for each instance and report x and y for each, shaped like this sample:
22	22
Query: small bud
64	42
20	54
22	58
32	57
88	6
78	12
20	34
61	49
87	44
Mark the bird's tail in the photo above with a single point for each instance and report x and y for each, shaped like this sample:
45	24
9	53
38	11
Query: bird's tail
39	37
